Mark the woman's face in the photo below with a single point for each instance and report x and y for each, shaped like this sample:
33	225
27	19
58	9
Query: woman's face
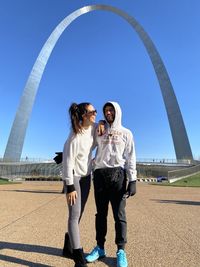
90	116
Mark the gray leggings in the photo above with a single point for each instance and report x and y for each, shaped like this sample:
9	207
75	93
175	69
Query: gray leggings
82	186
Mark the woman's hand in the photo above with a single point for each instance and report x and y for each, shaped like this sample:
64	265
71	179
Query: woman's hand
71	198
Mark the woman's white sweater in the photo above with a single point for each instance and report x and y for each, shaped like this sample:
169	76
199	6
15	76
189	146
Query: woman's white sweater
77	155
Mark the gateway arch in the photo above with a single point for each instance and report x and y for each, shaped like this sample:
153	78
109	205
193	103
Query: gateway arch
179	135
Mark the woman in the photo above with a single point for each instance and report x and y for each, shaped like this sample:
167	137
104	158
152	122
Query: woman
77	161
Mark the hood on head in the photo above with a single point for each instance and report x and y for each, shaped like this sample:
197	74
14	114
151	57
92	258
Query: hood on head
118	114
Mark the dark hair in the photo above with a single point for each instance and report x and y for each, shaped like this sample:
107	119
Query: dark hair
76	112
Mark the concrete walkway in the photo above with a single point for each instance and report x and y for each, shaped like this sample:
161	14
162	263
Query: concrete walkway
163	226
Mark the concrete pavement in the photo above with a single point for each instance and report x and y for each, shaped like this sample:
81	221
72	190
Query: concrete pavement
163	226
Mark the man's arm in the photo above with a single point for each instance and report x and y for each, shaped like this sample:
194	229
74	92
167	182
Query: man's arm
131	166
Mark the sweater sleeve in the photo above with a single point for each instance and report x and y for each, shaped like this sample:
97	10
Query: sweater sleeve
130	159
69	155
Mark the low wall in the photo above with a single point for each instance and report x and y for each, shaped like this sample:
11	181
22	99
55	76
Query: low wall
15	170
26	170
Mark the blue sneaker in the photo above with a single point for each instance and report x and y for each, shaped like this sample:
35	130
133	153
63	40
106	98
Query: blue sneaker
96	254
121	258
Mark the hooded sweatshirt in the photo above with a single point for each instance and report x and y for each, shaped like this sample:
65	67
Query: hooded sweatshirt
116	147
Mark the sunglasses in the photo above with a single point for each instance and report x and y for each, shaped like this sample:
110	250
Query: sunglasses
92	112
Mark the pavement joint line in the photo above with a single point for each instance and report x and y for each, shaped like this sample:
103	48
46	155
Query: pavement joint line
173	231
27	214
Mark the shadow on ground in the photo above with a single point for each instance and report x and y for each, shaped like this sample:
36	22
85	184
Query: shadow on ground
180	202
22	262
35	191
108	261
27	248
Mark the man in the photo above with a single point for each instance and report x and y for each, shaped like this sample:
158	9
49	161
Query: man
114	164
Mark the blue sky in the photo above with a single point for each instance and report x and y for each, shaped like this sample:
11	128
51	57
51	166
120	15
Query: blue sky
98	58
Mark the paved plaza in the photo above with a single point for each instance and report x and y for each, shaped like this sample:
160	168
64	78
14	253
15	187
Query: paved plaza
163	226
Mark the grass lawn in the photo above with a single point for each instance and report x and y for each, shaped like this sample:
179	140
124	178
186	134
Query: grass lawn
193	180
2	181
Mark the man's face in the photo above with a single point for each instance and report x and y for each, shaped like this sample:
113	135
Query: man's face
109	113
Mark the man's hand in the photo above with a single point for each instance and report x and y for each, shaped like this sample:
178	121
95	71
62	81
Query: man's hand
71	198
101	127
131	189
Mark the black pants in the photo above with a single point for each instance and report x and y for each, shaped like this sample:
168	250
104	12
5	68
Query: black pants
110	186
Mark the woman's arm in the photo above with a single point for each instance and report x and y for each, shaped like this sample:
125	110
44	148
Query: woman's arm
69	155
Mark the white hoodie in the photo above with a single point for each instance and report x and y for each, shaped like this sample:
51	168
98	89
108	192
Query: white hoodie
116	147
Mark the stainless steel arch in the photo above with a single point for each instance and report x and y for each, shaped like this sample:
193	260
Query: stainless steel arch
16	139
